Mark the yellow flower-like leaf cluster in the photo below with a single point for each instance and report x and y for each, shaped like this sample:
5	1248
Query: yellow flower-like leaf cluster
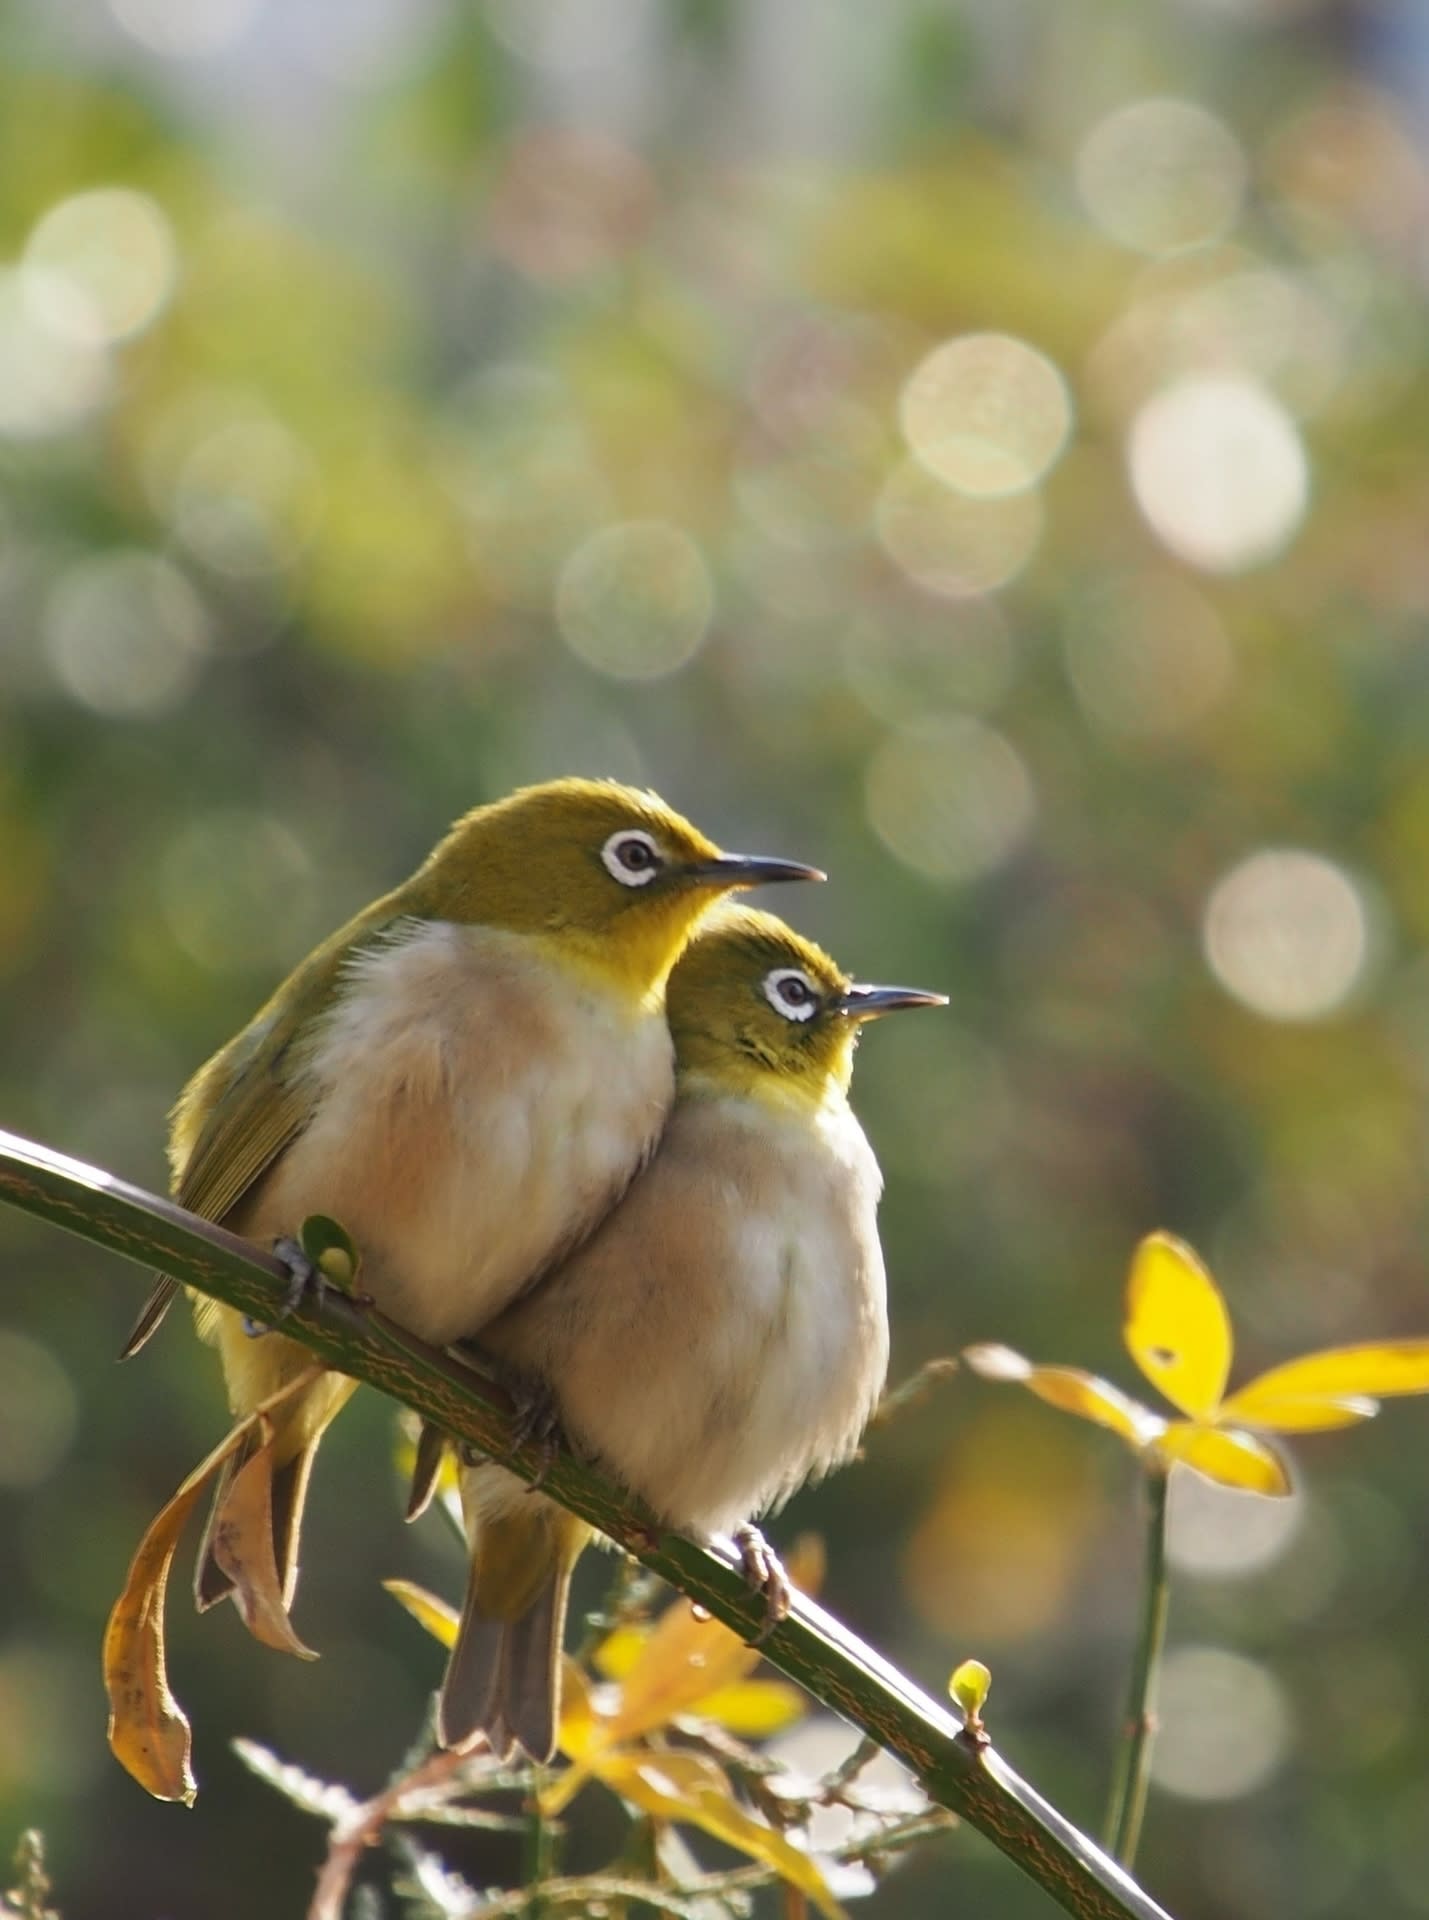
683	1664
1178	1332
148	1730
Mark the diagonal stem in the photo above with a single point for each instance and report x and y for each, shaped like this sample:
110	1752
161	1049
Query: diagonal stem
1132	1777
538	1852
842	1672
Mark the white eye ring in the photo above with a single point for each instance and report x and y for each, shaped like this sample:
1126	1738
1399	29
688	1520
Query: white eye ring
791	992
632	857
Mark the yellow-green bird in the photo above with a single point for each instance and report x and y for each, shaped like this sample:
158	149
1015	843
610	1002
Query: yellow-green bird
466	1076
721	1337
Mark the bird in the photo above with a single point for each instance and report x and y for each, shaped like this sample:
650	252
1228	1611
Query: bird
722	1336
466	1076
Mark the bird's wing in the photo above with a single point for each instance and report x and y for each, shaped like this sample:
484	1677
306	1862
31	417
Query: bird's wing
251	1100
263	1107
248	1127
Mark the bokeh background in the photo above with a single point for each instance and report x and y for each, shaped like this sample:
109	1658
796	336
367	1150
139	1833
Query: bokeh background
979	445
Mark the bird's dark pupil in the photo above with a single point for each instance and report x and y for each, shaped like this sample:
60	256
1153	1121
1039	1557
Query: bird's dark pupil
795	992
635	854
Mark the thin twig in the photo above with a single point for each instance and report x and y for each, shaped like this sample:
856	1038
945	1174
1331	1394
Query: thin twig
811	1647
580	1895
29	1898
916	1388
538	1849
1132	1776
847	1771
351	1837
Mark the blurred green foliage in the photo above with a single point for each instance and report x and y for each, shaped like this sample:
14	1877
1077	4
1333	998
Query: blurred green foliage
401	402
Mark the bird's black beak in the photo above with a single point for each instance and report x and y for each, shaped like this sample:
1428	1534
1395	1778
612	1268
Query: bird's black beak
866	1003
733	870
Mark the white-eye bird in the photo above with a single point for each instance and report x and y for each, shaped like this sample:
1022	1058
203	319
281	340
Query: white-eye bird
723	1335
466	1076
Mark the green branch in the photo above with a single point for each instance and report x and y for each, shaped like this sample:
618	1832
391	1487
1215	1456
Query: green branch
811	1647
1133	1765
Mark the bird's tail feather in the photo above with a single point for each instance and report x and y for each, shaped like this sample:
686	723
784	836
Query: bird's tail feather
160	1299
503	1677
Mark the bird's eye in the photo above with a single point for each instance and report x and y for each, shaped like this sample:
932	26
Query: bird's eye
791	993
632	857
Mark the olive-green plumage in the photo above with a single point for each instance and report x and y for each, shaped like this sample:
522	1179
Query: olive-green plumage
725	1026
466	1075
723	1334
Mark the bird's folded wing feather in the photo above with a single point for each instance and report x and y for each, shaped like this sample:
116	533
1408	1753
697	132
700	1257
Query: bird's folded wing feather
252	1099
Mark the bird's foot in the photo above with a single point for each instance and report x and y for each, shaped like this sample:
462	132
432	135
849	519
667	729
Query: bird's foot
535	1416
472	1354
535	1421
305	1282
764	1572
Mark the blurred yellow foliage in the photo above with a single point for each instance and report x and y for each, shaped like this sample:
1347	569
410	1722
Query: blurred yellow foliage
683	1665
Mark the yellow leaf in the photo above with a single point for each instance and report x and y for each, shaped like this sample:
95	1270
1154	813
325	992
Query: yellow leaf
686	1657
692	1788
556	1798
754	1709
1289	1414
1229	1458
582	1731
1177	1329
426	1609
1095	1399
148	1729
1074	1391
993	1362
1340	1373
617	1654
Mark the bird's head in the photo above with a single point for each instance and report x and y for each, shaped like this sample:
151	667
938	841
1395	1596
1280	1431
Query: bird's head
613	877
757	1008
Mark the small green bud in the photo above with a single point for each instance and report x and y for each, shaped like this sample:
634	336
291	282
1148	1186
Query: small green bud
969	1685
330	1248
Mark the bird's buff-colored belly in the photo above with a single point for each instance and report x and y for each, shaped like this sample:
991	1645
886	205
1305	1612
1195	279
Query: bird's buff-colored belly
481	1109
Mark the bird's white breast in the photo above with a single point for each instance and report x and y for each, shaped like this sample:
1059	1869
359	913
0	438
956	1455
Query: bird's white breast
479	1106
724	1335
807	1285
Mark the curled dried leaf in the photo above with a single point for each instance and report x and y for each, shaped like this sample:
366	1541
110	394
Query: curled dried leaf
149	1732
242	1544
